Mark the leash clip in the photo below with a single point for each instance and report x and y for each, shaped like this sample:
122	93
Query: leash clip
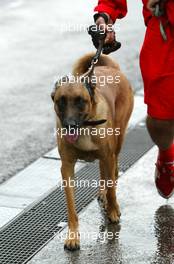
159	11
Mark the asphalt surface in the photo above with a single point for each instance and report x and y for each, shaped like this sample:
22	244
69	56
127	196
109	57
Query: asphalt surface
40	40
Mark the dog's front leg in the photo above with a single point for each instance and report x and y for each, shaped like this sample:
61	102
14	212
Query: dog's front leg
72	242
113	210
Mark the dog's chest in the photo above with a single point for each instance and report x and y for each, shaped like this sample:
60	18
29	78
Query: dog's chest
85	143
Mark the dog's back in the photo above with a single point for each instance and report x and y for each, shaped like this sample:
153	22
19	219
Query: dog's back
83	64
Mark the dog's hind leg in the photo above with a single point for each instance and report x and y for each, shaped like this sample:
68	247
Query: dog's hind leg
72	242
113	210
118	149
116	180
103	190
116	168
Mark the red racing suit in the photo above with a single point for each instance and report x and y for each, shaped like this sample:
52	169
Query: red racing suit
156	56
118	9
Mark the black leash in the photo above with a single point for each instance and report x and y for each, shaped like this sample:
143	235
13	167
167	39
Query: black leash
96	56
98	37
88	73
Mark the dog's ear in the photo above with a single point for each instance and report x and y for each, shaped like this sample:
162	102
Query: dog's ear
62	80
53	94
54	90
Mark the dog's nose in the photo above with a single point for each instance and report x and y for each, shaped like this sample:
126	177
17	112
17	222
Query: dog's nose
70	123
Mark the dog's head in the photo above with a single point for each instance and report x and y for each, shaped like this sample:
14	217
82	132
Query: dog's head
73	104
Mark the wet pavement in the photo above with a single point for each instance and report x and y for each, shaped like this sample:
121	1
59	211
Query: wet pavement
40	40
145	234
34	52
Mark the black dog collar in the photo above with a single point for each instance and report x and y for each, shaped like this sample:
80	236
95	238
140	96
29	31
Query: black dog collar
94	122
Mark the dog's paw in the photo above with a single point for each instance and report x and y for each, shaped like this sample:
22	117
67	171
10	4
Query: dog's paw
114	214
72	243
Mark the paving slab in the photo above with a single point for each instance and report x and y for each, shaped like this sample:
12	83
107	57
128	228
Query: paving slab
35	180
6	214
28	185
12	201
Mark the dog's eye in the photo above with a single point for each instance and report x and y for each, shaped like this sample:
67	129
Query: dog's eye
80	102
62	103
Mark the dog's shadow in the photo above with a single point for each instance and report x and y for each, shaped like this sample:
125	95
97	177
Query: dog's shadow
110	230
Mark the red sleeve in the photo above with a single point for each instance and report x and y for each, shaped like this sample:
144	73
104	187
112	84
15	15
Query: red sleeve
114	8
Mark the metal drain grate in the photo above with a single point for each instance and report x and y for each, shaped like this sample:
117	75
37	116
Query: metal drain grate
31	230
137	143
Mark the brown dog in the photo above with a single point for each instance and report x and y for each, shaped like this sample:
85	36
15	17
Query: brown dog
92	105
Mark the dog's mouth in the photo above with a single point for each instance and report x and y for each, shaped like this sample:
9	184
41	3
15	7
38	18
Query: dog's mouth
72	137
73	133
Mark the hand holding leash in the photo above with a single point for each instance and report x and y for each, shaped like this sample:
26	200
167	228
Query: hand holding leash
99	35
103	31
98	38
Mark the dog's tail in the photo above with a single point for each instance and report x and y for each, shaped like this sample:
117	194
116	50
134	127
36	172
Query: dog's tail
83	64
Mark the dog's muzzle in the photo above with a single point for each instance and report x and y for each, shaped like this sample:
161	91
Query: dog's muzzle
72	127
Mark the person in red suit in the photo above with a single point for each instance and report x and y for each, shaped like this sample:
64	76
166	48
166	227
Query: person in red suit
157	67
